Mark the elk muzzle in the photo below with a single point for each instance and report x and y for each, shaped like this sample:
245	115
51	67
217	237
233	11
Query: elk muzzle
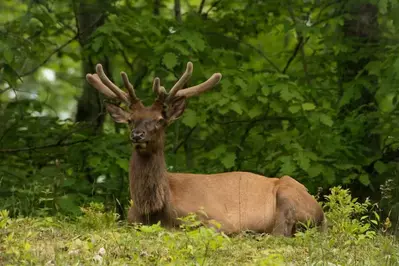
137	135
138	138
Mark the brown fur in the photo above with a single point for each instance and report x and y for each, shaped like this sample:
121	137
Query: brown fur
149	189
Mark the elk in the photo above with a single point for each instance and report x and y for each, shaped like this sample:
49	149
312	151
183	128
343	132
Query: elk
238	201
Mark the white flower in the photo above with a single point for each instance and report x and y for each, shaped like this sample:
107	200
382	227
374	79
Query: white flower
101	251
73	252
50	263
98	258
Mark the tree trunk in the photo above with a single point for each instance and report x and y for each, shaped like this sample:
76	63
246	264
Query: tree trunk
157	7
177	10
361	33
90	16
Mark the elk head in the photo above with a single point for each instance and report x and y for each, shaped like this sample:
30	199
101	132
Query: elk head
147	124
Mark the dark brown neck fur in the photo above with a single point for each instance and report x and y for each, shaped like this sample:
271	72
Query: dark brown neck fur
149	187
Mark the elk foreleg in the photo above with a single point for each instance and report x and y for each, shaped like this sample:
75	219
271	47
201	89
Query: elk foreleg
132	216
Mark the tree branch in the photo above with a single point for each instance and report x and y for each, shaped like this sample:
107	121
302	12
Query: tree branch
77	35
184	140
263	55
292	57
274	118
43	147
34	69
244	136
305	64
125	57
214	4
260	52
201	7
300	47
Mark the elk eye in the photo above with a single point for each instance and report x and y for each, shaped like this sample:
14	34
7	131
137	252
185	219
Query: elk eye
161	121
131	122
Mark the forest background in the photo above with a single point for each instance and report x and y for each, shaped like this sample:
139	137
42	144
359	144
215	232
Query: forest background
309	89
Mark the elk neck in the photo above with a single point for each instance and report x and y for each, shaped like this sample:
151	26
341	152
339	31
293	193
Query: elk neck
149	185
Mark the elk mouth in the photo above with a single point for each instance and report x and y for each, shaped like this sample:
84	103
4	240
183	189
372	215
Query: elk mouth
140	145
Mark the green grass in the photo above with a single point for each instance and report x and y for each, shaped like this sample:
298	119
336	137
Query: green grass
96	238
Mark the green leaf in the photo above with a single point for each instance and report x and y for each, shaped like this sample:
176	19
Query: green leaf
380	167
123	163
294	109
229	160
364	179
386	103
308	106
217	151
96	44
280	87
276	106
190	118
240	83
94	161
67	204
236	107
348	179
345	166
383	6
255	111
196	42
265	90
326	120
288	166
8	55
349	94
315	170
169	60
10	75
303	161
374	68
285	94
262	99
69	171
329	174
250	89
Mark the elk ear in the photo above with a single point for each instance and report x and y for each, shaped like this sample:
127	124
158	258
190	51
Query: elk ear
175	108
117	113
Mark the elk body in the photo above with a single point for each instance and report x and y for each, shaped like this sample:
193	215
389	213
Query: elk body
237	200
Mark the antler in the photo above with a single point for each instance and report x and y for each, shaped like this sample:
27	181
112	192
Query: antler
177	89
101	82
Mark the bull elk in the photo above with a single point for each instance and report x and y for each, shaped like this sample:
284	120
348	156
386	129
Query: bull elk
236	200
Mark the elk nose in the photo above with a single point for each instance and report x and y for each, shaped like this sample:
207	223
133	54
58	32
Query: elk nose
137	135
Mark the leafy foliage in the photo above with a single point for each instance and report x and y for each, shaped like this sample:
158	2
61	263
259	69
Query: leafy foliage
343	211
301	95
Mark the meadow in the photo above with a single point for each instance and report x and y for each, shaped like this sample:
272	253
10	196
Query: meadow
356	236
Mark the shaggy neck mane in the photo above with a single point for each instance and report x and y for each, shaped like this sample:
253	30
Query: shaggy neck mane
149	187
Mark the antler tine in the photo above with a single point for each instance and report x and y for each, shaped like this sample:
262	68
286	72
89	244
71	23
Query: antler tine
156	84
200	88
182	81
96	82
159	90
119	93
130	88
